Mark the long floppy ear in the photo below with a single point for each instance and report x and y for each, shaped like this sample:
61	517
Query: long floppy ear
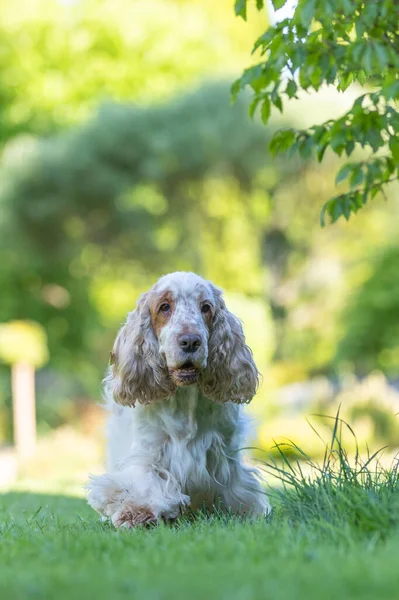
137	372
231	373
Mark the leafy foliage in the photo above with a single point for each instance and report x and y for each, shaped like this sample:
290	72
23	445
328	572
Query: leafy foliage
334	42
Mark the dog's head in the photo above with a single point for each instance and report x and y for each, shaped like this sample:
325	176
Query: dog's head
180	334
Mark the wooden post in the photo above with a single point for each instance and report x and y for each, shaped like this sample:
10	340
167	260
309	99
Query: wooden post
24	411
23	345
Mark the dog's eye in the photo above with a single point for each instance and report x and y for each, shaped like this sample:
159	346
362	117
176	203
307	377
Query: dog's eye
205	308
165	307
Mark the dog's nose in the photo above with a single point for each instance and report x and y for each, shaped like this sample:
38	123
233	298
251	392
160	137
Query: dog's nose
189	343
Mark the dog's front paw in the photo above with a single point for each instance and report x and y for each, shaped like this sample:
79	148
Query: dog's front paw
169	516
133	516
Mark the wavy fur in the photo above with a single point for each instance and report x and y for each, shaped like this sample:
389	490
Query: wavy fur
170	448
139	374
231	374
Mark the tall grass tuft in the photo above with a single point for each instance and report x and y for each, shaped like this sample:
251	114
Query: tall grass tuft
342	492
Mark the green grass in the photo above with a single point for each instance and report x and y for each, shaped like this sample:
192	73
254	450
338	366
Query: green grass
63	551
344	493
334	535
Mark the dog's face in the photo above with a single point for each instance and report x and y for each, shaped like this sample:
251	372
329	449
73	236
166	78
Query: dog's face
182	311
180	334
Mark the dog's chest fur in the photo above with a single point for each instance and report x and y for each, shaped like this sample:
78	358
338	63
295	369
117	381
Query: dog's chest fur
187	436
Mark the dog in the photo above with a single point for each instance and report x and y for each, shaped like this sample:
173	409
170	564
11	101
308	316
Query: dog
179	372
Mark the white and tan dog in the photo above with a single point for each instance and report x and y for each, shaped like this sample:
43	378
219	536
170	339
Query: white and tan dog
180	368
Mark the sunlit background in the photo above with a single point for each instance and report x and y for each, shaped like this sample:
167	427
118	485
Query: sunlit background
123	158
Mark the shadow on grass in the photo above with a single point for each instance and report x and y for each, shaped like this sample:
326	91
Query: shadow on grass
24	508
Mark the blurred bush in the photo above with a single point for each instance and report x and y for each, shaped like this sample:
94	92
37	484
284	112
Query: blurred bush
370	406
371	320
23	341
60	59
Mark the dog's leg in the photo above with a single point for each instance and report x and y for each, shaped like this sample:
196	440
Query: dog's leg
136	496
244	494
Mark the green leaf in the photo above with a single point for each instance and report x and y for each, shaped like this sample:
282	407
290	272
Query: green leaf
375	139
278	4
360	27
260	4
253	106
240	8
374	190
373	171
367	60
291	88
357	176
381	54
321	151
316	77
357	105
369	14
361	77
265	110
305	12
347	6
250	75
281	141
319	133
391	90
235	89
350	146
278	103
345	81
343	173
323	211
346	208
306	146
394	147
390	166
338	141
293	149
337	210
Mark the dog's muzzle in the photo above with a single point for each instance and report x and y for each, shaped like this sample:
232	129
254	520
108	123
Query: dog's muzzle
186	374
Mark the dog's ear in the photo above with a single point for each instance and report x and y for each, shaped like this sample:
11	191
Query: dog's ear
137	372
231	373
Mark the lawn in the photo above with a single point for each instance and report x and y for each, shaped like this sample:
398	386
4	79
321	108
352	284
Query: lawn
56	547
332	536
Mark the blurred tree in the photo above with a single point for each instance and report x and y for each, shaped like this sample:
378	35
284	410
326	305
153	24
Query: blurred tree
93	215
59	59
334	42
125	189
90	216
371	338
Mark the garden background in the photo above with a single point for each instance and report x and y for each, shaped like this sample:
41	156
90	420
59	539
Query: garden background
123	158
